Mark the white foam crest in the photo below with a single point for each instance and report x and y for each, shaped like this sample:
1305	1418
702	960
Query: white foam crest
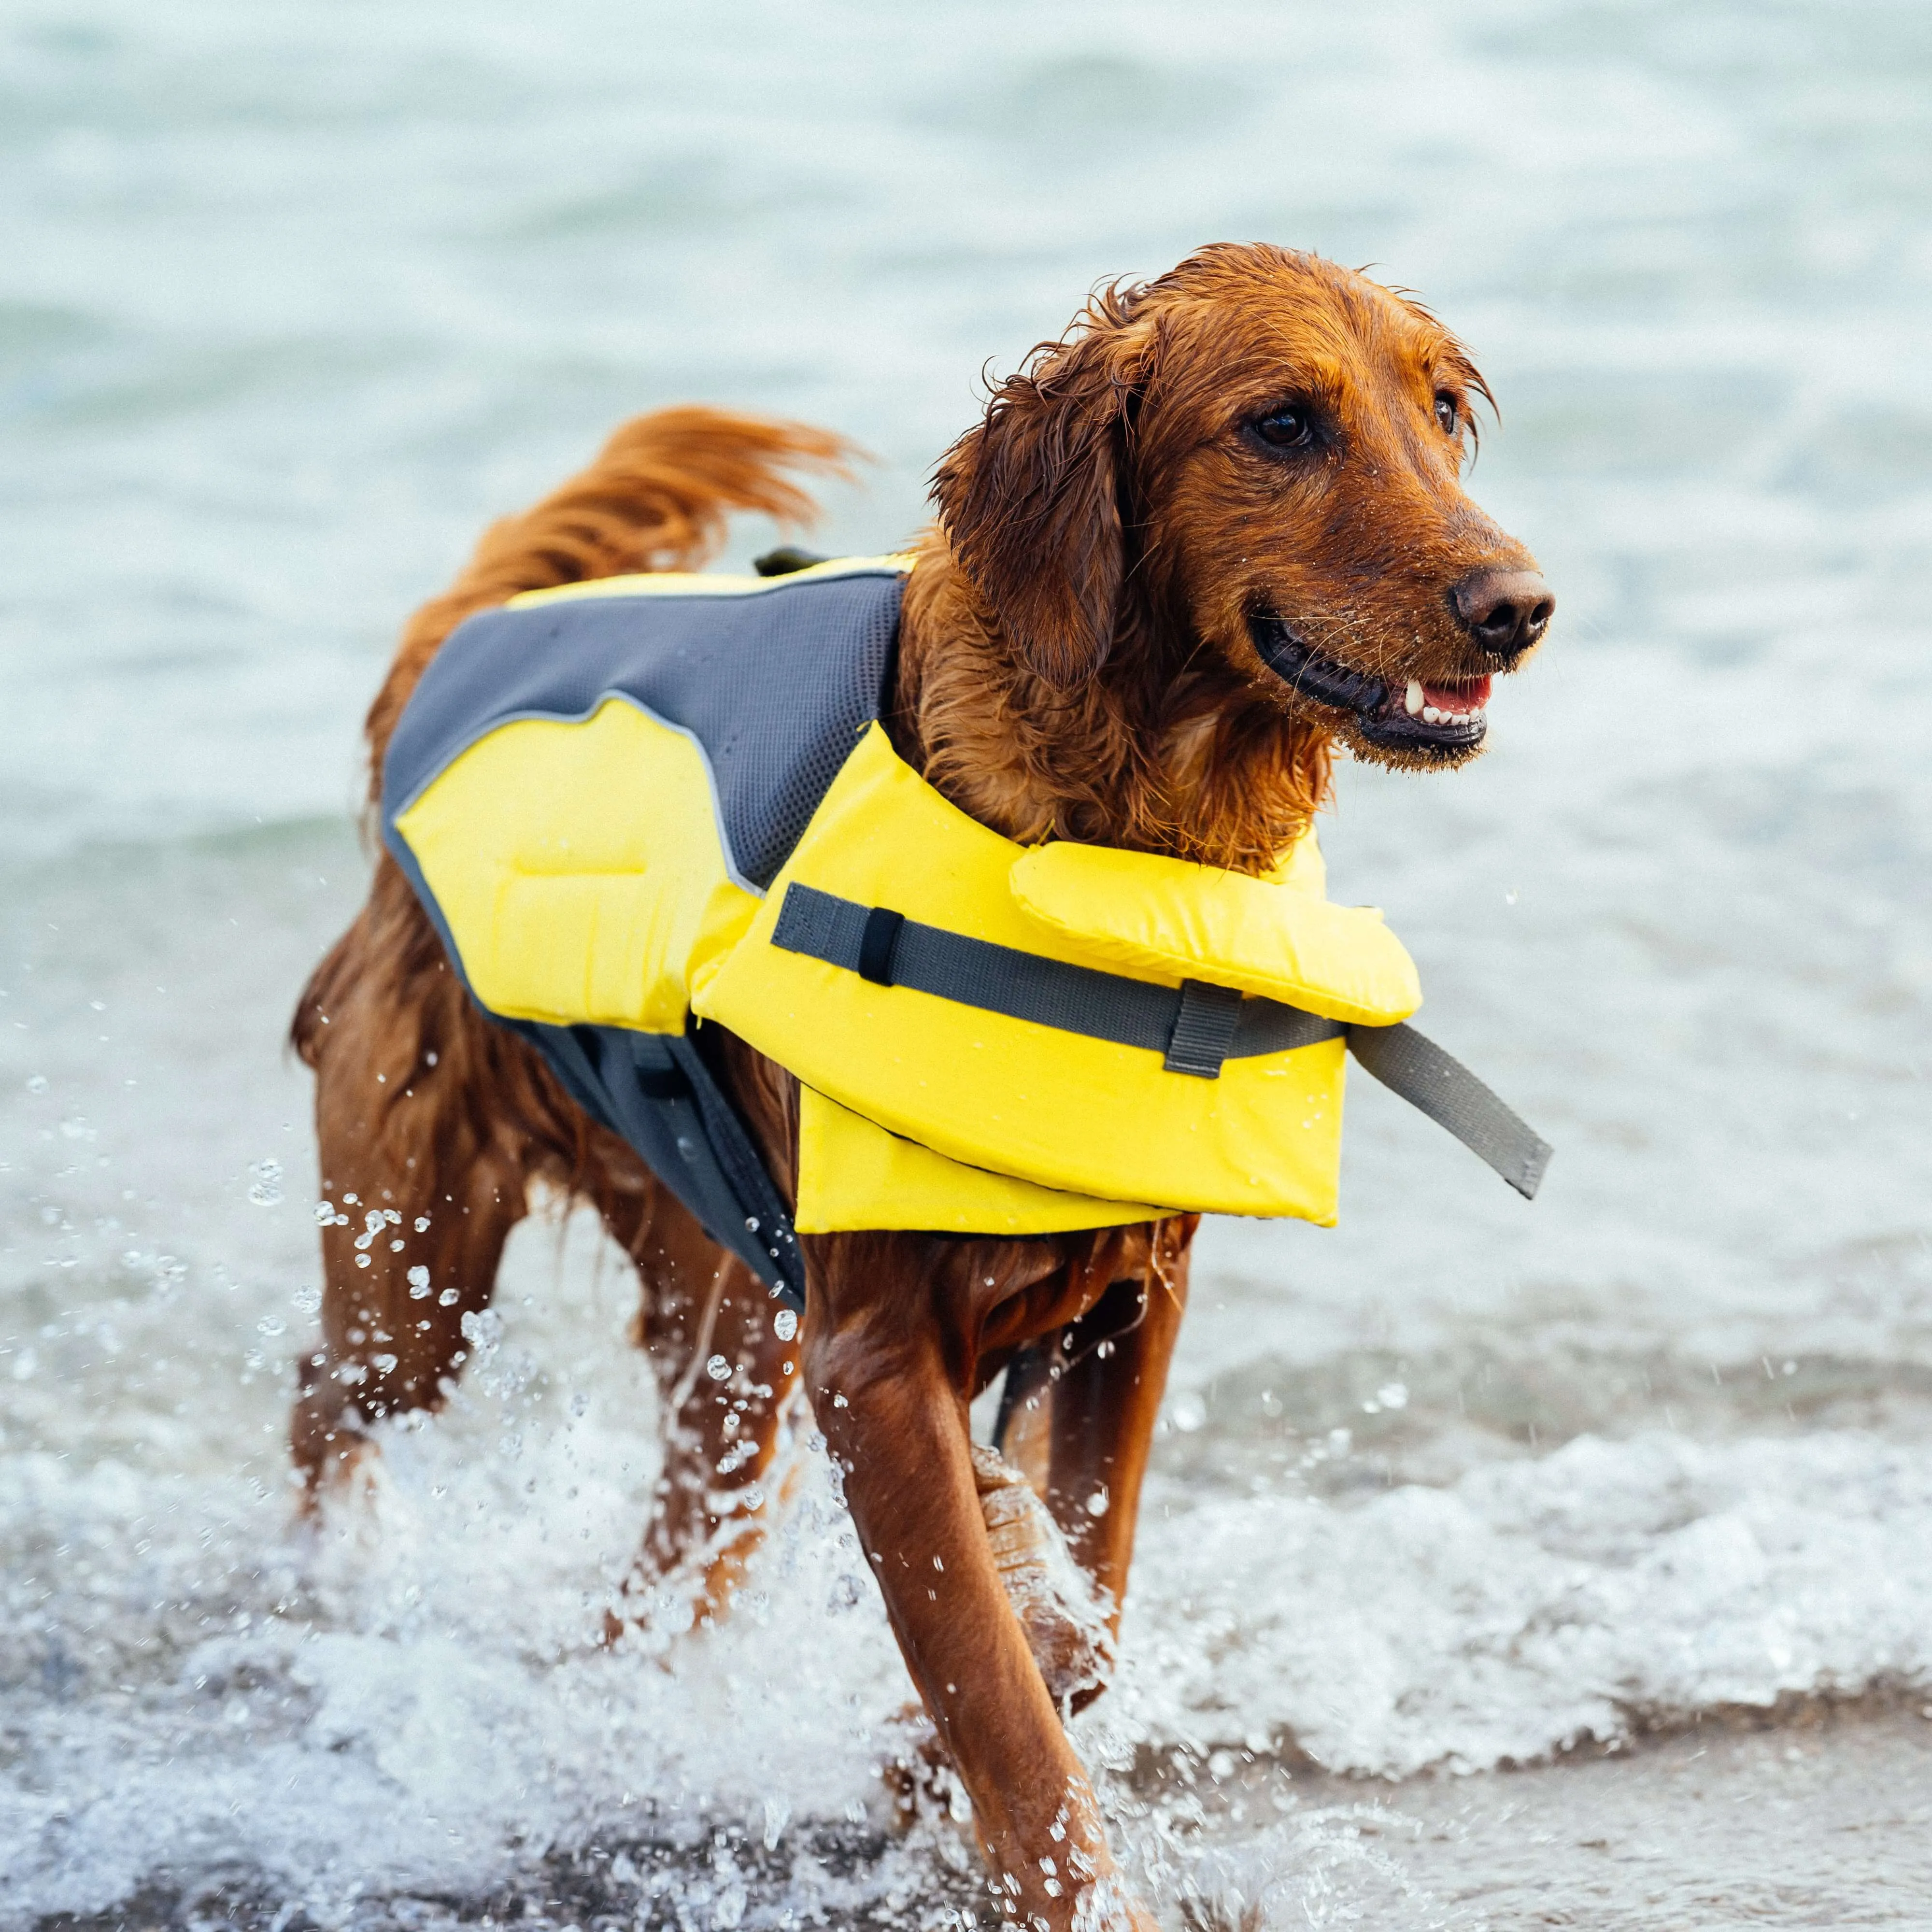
1532	1606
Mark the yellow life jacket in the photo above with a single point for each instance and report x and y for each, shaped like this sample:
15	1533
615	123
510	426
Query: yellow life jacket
637	804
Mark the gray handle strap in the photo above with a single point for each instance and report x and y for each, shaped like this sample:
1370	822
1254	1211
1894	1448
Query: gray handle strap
1411	1064
1194	1027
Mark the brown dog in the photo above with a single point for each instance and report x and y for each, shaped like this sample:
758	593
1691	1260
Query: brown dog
1214	530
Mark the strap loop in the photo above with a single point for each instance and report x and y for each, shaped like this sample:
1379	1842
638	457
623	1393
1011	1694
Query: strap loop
878	943
1203	1029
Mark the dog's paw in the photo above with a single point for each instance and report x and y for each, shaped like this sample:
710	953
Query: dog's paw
1218	1915
1064	1616
352	1525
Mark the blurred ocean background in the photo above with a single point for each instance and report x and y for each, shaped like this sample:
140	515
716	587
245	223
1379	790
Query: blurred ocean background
294	298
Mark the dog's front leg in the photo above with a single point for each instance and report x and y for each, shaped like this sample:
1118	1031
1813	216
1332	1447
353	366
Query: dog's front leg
893	1411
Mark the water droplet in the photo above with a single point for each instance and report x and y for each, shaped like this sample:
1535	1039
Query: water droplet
719	1369
1188	1412
485	1327
422	1224
325	1214
418	1279
777	1815
266	1174
785	1325
447	1299
361	1261
1393	1395
751	1222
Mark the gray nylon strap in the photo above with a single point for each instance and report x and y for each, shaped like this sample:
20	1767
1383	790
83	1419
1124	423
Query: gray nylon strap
976	972
1411	1064
1194	1029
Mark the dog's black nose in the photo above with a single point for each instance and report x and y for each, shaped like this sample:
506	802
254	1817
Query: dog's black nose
1505	611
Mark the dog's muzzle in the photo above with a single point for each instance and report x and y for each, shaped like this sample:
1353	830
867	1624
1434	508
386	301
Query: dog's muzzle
1411	717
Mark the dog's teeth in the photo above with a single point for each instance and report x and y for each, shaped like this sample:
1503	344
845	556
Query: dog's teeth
1430	715
1412	699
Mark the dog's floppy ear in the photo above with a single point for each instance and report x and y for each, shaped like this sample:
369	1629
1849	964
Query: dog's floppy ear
1031	496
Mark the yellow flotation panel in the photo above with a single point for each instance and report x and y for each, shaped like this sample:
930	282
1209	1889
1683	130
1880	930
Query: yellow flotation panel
1056	1109
579	866
854	1174
1278	938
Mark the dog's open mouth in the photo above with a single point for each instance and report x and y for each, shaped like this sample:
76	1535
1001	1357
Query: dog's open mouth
1414	715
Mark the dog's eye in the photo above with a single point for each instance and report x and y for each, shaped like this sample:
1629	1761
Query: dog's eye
1288	427
1447	413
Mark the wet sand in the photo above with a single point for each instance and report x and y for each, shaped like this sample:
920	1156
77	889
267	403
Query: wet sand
1824	1820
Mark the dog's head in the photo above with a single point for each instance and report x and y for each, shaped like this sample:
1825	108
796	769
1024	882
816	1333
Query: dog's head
1260	454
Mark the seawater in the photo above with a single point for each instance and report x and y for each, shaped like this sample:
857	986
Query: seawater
293	299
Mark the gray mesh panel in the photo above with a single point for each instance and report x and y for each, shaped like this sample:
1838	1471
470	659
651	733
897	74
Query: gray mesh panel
776	685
